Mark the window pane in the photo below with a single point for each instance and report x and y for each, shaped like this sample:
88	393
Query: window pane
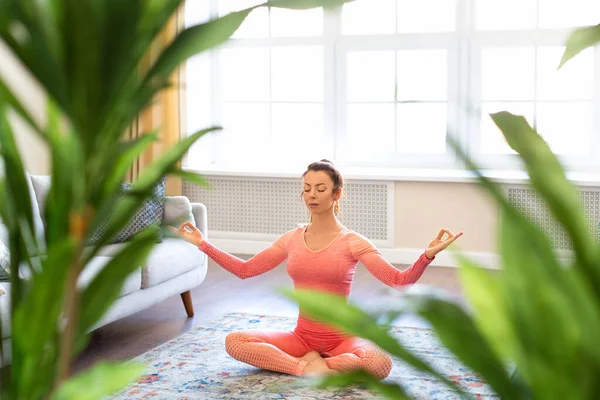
492	139
245	132
198	108
245	74
370	128
370	76
421	128
422	75
196	12
298	132
293	23
508	73
566	127
297	73
574	81
369	17
198	72
566	14
417	16
493	15
256	24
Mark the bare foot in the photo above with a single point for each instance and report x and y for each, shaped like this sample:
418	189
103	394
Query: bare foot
317	367
311	355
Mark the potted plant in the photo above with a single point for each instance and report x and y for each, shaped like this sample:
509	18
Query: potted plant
85	55
540	313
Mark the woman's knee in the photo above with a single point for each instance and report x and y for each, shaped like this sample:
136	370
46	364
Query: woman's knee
234	341
379	365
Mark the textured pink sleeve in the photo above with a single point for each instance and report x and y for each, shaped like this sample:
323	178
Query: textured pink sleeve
365	252
262	262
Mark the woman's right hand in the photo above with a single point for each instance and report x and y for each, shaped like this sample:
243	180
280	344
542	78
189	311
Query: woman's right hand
189	233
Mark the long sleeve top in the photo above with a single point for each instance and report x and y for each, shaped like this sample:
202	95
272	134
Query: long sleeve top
330	269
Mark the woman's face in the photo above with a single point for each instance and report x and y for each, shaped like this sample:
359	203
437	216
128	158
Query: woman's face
318	192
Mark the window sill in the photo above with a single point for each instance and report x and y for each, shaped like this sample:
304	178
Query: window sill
514	177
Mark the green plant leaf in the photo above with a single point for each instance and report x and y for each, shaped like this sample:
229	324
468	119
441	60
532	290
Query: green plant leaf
306	4
36	319
459	334
122	211
11	99
194	40
484	291
543	300
388	390
101	380
167	160
534	280
106	286
356	322
118	211
548	178
130	28
191	177
128	152
14	170
65	200
579	40
28	31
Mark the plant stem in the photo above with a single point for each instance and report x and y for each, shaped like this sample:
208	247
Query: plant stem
77	228
67	338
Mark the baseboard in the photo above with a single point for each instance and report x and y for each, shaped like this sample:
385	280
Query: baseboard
393	255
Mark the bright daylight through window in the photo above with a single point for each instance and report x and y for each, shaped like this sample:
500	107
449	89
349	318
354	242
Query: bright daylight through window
383	82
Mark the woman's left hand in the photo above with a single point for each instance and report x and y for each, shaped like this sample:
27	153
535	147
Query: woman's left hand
439	243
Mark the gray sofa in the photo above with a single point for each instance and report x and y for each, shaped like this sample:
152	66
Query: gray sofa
173	267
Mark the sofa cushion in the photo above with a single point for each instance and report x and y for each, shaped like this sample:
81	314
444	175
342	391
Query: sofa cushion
132	283
178	210
110	250
5	312
150	213
169	259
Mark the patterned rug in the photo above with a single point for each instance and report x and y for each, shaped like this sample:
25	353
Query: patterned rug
196	366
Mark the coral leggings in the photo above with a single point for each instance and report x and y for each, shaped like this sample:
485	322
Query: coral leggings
280	351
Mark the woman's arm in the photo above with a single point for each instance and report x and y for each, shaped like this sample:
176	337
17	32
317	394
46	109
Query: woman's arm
262	262
364	251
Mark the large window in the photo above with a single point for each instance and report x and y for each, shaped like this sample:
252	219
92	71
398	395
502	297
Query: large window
383	82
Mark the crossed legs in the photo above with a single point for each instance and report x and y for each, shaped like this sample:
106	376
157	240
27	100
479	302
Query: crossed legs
288	353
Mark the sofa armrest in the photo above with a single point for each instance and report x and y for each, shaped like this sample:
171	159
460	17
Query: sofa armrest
199	211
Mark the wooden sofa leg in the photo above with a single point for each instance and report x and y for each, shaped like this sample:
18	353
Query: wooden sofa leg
187	303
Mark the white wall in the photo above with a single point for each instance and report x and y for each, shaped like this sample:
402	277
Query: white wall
423	208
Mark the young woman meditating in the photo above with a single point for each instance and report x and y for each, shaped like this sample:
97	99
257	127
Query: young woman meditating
321	256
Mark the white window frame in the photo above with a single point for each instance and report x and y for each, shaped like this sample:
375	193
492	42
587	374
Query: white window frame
395	42
463	46
478	40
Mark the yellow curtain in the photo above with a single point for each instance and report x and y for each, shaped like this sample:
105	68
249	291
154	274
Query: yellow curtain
163	113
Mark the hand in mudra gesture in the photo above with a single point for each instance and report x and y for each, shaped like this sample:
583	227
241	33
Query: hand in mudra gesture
439	243
189	233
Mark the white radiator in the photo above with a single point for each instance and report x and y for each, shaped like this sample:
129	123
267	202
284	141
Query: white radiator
263	208
529	203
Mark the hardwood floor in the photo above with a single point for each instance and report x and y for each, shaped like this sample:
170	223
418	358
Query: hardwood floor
222	293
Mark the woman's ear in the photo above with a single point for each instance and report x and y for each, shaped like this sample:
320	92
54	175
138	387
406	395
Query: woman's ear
337	194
